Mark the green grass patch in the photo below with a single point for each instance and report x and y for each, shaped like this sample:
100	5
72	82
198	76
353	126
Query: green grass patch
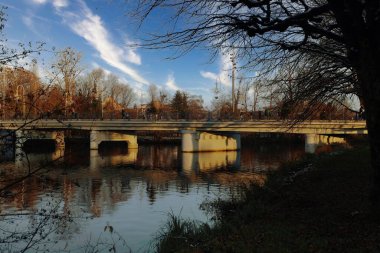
318	204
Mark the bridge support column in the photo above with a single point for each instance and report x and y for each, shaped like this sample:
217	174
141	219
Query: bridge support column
313	140
23	135
96	137
193	141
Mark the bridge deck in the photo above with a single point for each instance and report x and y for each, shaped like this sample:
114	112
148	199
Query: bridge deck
263	126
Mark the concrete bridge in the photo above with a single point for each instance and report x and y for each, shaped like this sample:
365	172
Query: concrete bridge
196	135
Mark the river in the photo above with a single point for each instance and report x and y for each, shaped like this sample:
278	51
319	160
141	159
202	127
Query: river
115	198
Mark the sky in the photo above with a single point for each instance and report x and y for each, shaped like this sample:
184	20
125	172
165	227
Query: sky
103	32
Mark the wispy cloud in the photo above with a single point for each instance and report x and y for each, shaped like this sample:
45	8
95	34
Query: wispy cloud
55	3
39	1
170	83
27	20
91	28
223	76
60	3
209	75
84	23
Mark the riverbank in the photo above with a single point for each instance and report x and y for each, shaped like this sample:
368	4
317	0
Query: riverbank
319	204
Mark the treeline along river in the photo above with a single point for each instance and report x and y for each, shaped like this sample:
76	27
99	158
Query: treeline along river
114	198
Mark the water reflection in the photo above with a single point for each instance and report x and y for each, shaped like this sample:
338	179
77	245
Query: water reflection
98	160
6	153
24	159
134	189
209	161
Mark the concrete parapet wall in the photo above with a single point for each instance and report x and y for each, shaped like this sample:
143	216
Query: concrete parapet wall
194	141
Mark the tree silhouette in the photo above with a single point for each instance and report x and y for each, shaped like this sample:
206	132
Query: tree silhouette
263	29
180	105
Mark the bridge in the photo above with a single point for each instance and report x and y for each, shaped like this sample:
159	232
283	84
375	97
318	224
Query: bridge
196	135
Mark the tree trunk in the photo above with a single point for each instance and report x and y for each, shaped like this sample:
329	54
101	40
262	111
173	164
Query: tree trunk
360	25
370	83
366	61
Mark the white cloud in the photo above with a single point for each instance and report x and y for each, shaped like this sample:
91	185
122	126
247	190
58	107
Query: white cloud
132	56
59	3
170	83
223	76
91	28
56	3
209	75
39	1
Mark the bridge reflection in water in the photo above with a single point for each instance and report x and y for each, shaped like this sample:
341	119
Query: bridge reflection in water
25	159
208	161
98	161
190	162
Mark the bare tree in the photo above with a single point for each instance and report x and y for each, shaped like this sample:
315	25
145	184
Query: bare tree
119	91
153	93
276	30
66	70
126	95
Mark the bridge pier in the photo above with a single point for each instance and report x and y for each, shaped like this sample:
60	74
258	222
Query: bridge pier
194	141
97	137
23	135
312	141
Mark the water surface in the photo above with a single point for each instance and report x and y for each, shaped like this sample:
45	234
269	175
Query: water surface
83	196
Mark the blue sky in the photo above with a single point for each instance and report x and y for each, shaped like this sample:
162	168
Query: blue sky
101	31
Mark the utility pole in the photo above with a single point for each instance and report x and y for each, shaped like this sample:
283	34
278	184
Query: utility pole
232	57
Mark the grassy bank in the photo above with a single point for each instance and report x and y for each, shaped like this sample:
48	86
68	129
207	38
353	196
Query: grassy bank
319	204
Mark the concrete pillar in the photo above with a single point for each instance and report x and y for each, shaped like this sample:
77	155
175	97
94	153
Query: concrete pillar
23	135
193	141
96	137
313	140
